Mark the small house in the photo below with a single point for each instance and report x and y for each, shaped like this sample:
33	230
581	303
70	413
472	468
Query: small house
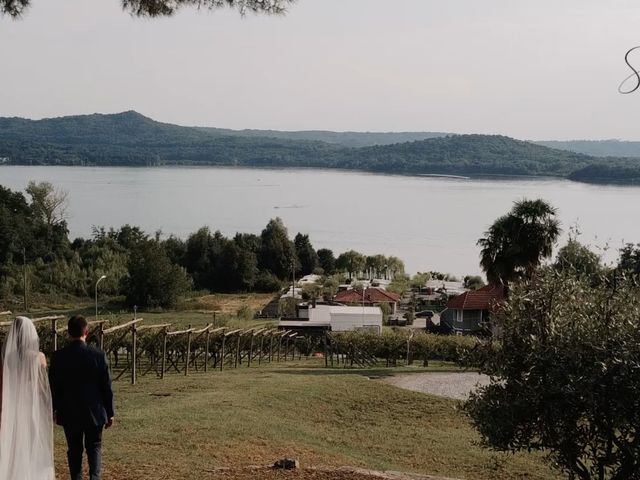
369	297
470	312
336	318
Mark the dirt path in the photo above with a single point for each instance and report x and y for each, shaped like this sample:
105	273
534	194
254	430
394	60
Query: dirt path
453	385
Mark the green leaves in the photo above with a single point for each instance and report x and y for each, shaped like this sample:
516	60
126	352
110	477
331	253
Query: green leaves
163	8
517	242
567	378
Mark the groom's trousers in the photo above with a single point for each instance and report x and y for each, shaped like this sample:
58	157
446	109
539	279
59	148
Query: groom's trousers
91	437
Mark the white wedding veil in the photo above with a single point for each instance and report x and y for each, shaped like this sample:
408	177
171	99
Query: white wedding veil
26	422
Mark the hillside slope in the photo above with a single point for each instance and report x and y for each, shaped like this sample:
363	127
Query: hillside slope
131	139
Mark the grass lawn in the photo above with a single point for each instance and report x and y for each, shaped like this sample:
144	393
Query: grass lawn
186	427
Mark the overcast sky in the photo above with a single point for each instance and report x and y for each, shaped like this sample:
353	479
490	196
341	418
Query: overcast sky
544	69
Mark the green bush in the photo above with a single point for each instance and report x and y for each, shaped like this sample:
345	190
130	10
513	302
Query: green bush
391	346
245	313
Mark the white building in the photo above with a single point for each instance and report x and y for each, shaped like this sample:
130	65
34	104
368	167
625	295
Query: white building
336	318
444	286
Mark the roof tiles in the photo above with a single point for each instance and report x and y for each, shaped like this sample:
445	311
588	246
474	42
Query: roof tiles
371	295
482	299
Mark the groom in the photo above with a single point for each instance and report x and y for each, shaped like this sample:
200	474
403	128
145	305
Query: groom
82	398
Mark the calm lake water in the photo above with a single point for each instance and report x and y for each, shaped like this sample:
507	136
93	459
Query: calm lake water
431	223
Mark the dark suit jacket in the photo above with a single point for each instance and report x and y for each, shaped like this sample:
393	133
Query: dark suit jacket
81	386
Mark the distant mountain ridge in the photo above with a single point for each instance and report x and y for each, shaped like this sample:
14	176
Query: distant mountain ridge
131	139
347	139
597	148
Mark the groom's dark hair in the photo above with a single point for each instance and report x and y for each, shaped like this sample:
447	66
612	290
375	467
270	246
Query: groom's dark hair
77	326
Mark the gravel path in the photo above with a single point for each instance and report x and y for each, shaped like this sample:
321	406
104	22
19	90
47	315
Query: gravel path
452	385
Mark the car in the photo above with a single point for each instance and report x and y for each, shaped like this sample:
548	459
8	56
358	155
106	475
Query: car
425	314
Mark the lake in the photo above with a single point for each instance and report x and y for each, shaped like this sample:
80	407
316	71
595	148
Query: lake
430	223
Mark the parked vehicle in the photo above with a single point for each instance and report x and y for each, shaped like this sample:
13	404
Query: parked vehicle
425	314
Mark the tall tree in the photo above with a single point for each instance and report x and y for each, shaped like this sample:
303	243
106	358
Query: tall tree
237	269
16	225
351	262
516	243
579	260
153	281
277	253
306	254
395	267
48	202
327	261
629	261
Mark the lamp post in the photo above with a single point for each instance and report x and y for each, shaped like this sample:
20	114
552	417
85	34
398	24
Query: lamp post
99	280
409	345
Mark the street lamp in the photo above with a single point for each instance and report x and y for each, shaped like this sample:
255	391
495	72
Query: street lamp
99	280
409	345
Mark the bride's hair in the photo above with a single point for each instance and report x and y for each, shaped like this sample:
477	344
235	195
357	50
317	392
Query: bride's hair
25	337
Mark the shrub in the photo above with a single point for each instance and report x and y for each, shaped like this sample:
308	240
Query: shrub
267	283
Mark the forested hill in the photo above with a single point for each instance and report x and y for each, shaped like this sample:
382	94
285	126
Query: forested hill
597	148
131	139
346	139
468	155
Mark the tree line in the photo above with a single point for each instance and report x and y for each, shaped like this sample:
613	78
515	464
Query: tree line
37	254
131	139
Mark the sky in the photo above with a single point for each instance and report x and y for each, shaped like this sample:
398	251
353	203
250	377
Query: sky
544	69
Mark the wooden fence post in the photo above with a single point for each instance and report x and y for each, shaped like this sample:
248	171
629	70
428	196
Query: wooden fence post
238	350
54	328
164	352
224	340
101	336
250	350
206	351
286	349
186	360
279	347
270	347
261	349
326	351
134	356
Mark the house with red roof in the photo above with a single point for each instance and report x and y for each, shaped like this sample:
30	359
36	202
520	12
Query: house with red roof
470	312
372	297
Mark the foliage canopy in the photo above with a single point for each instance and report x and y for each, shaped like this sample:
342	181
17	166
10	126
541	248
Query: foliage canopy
160	8
566	378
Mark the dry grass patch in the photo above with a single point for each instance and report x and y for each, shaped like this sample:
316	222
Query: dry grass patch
229	304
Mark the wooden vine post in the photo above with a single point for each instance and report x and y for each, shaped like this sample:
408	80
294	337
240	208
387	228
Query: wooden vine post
279	347
101	336
261	347
188	355
286	348
134	353
237	359
54	333
224	340
164	351
207	336
131	327
250	348
270	347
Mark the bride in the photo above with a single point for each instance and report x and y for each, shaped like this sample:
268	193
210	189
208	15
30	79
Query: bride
26	422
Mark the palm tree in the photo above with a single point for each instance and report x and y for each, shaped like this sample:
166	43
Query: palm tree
516	243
